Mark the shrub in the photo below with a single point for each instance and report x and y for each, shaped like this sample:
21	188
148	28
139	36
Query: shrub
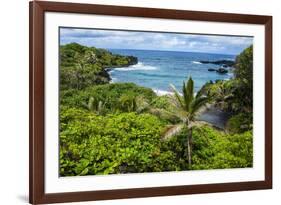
131	143
116	143
113	95
216	150
240	123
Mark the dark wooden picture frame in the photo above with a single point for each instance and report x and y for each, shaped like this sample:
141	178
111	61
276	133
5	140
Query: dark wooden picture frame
37	193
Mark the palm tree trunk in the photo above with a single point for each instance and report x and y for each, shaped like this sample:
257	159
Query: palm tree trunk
189	148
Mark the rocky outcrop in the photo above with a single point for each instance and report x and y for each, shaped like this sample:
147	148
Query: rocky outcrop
224	63
132	60
220	70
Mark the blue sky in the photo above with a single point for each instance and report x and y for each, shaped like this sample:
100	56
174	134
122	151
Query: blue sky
110	39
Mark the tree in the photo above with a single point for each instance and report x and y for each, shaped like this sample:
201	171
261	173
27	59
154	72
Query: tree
223	95
244	76
244	65
185	107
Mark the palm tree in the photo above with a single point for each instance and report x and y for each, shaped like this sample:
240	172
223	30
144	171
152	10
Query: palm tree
95	105
223	95
185	107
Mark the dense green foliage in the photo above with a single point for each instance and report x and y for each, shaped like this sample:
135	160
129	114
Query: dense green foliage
215	150
127	143
82	66
116	143
244	66
240	123
244	74
235	95
115	96
111	128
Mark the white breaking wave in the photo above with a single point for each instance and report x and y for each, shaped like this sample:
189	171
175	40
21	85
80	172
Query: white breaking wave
139	66
113	80
196	62
162	92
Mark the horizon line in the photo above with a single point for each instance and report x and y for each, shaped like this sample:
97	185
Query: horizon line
168	51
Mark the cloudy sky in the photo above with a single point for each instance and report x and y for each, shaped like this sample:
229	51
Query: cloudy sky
155	41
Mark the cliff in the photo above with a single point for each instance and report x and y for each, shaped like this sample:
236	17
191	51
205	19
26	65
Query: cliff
82	66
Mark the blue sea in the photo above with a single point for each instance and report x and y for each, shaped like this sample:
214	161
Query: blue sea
158	69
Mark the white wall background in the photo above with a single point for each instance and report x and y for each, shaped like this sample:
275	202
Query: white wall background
14	101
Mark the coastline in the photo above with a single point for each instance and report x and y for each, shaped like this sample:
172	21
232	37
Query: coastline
133	101
156	70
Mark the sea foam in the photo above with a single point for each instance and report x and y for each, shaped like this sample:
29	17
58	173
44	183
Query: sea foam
196	62
139	66
113	80
162	92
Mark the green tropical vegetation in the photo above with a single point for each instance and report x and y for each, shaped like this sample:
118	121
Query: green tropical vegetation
186	107
82	66
118	128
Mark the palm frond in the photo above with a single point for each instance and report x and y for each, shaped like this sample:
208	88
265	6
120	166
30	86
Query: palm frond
85	105
180	113
204	90
178	98
162	113
199	93
100	106
197	104
188	95
198	124
142	104
91	104
172	130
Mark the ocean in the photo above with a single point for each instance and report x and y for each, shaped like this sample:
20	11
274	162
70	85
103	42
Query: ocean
158	69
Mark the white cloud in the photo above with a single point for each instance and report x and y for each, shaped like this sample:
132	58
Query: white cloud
156	41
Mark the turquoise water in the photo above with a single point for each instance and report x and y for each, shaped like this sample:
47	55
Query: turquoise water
158	69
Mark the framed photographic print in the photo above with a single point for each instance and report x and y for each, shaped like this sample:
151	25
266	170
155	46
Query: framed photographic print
138	102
